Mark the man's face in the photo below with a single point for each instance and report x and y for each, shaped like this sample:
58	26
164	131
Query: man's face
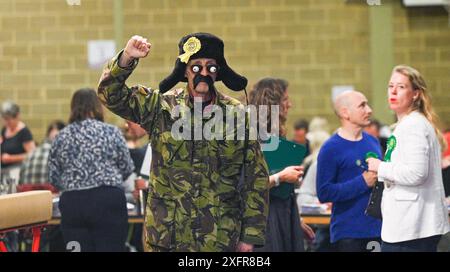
300	136
358	111
201	74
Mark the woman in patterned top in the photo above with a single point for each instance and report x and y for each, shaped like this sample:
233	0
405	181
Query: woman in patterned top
88	162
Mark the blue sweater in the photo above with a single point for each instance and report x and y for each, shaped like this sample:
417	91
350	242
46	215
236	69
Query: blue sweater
340	181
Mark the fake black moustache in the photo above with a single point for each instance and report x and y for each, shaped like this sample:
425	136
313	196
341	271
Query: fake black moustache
207	79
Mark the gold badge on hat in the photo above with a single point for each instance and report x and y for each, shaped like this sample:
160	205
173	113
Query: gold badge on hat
190	47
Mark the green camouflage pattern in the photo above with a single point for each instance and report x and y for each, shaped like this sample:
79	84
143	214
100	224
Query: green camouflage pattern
194	202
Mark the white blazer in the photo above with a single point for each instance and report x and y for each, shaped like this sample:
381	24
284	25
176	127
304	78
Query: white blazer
413	204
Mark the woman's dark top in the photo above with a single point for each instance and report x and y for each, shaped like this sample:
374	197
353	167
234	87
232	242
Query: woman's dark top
14	145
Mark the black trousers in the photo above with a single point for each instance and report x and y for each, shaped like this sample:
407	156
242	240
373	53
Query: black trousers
446	180
94	220
428	244
359	245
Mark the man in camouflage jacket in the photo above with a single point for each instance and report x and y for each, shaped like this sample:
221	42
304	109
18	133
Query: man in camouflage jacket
198	199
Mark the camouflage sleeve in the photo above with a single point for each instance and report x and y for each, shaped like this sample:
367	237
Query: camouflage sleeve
255	196
137	104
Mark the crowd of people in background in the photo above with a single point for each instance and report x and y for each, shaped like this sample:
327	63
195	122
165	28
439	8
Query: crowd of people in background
97	166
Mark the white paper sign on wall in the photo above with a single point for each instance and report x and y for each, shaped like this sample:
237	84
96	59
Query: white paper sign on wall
99	52
73	2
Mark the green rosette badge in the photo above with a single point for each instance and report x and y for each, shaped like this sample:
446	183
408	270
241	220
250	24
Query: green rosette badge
391	144
371	155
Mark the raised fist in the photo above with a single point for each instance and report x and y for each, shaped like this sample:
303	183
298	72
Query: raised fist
137	47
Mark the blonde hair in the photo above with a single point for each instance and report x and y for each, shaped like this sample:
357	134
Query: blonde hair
316	139
318	124
423	103
270	92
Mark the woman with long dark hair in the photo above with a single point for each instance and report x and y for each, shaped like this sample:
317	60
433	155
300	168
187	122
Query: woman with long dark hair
284	229
88	162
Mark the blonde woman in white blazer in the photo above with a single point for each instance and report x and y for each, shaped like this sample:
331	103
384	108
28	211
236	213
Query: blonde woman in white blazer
415	215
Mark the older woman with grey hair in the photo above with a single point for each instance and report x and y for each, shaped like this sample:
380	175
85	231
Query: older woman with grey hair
16	142
16	139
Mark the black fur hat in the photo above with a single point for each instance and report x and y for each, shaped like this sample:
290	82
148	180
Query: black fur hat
202	45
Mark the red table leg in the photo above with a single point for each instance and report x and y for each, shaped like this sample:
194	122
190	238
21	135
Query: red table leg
36	239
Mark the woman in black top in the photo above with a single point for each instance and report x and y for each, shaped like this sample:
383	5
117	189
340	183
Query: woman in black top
16	139
16	142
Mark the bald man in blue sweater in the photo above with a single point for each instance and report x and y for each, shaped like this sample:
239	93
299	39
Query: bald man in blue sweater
342	179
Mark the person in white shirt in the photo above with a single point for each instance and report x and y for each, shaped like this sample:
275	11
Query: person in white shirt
413	206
